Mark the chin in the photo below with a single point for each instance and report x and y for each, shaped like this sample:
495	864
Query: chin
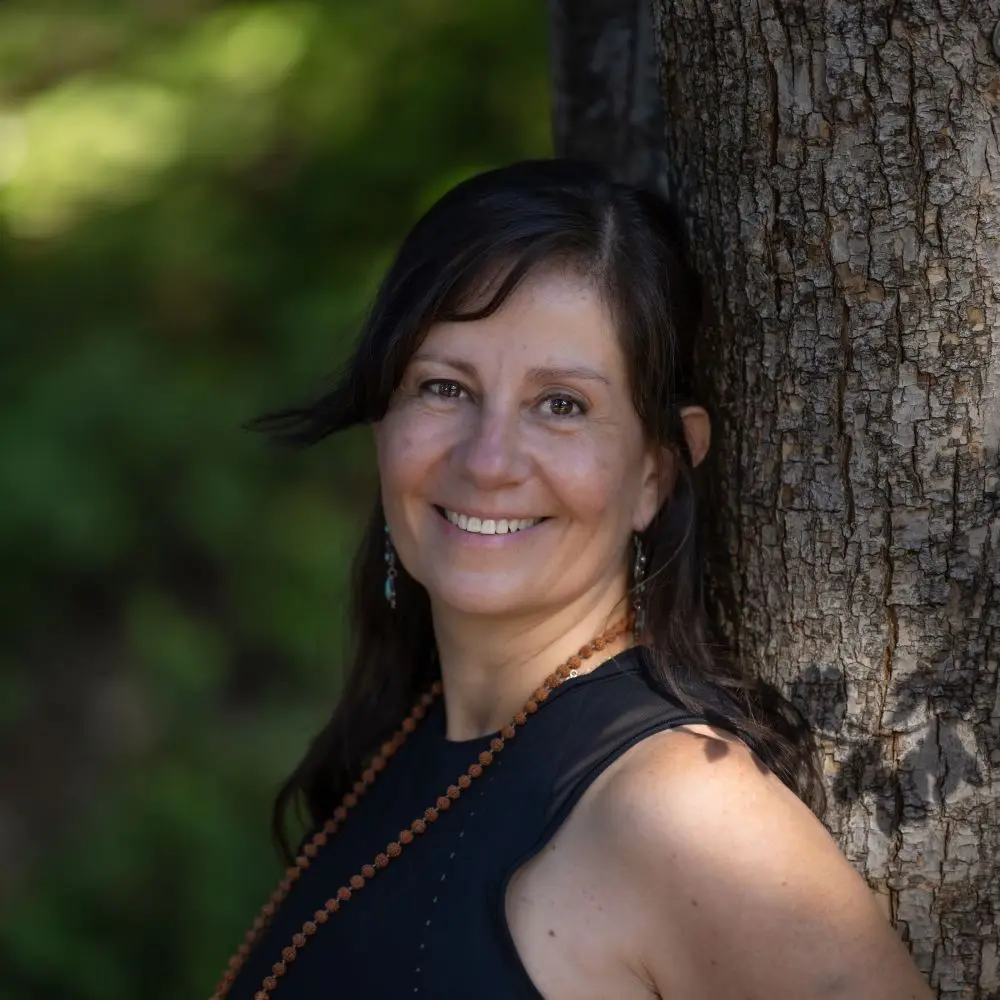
471	600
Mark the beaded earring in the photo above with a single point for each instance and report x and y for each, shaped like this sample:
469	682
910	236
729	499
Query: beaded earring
639	586
390	570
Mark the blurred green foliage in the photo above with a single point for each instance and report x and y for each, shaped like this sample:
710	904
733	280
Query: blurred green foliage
196	200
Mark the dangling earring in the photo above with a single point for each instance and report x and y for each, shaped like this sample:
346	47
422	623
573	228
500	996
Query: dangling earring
639	587
390	570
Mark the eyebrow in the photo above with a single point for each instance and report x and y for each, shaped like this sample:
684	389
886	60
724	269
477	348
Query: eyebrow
540	374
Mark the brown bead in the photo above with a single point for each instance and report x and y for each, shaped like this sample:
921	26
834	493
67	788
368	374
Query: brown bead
332	905
496	744
261	995
357	881
378	763
244	949
531	707
541	694
235	962
279	968
464	781
418	712
268	909
284	885
309	928
520	719
394	850
288	953
330	827
388	749
350	800
430	814
299	940
343	894
585	652
271	983
320	839
258	923
381	860
508	732
453	792
486	758
418	825
340	813
409	724
228	976
321	916
599	643
406	836
475	771
368	775
552	681
427	699
359	788
368	871
437	687
301	864
443	803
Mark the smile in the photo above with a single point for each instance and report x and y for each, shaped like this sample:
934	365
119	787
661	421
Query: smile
489	526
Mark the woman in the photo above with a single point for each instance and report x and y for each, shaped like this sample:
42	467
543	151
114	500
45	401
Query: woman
538	781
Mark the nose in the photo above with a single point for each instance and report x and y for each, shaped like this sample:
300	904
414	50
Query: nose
491	454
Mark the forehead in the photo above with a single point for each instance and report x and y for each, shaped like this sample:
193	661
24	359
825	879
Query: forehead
551	314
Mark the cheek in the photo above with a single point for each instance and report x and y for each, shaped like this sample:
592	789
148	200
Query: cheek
596	483
407	451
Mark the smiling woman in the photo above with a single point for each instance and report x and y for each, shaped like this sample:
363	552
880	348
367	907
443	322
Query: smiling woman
539	780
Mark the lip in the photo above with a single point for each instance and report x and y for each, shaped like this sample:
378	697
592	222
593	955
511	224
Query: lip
473	538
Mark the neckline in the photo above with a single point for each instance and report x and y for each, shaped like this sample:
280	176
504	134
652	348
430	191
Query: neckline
627	661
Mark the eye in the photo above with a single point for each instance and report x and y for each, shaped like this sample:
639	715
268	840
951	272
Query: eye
443	388
563	406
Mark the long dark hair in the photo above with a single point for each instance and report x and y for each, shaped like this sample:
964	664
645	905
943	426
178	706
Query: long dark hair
490	232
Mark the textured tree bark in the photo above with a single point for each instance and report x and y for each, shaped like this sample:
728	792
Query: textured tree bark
838	164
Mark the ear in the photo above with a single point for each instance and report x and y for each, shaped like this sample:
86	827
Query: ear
659	471
697	431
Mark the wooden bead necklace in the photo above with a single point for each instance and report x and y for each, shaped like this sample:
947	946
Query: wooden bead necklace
393	850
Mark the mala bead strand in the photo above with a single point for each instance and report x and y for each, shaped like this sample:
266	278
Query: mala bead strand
395	848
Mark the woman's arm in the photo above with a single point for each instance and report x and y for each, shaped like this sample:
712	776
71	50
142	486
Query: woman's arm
730	866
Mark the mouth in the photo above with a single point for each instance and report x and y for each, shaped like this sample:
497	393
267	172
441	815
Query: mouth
488	525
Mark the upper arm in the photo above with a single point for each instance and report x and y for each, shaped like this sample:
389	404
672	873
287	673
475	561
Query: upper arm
745	881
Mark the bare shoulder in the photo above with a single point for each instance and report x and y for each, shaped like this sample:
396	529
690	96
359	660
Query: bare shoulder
700	777
724	858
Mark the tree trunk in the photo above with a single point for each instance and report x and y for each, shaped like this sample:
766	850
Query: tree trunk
838	164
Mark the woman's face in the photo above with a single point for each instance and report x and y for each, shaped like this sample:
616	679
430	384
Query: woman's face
513	465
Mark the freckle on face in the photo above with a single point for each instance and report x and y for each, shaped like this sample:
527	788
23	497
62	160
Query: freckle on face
499	450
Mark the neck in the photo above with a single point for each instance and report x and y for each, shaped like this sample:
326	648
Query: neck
489	667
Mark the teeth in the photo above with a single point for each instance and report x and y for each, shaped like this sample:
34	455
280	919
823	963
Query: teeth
488	526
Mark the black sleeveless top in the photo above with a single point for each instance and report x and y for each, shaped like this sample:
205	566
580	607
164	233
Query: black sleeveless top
432	924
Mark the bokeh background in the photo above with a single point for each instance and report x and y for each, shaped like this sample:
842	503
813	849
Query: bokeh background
196	202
